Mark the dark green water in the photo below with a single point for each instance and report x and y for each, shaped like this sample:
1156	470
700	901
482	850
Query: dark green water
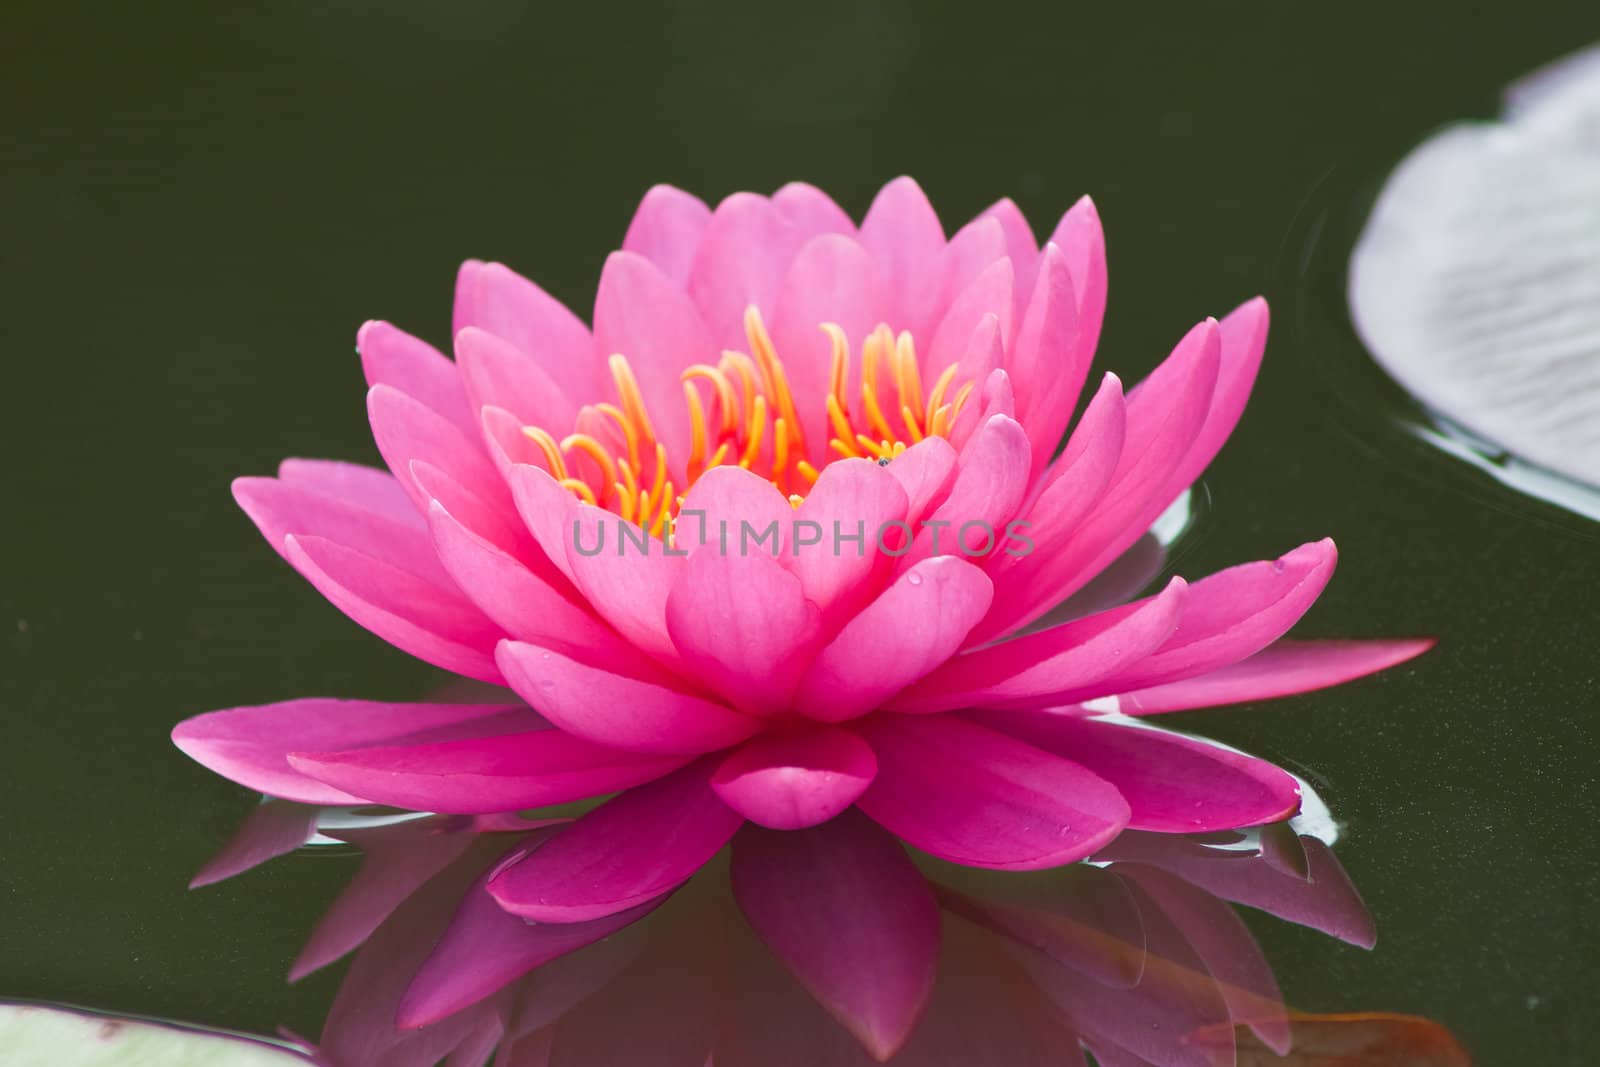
201	203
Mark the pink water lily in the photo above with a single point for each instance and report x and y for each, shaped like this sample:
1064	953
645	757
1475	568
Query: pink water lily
772	365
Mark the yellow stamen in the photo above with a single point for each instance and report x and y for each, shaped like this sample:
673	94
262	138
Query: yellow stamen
667	499
697	429
780	450
907	379
758	428
552	454
629	434
632	398
581	487
910	420
727	407
808	472
586	444
936	397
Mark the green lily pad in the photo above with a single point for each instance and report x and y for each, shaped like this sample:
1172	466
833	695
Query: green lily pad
37	1035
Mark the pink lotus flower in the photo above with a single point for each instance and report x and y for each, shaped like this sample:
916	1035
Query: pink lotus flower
773	363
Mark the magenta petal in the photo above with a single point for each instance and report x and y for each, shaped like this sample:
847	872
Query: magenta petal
848	914
394	358
616	710
812	210
1173	784
432	622
280	508
499	374
988	489
912	627
925	472
742	624
365	487
792	780
1230	615
979	798
741	261
273	828
405	429
667	228
1281	669
396	861
903	233
1032	670
251	745
627	585
1047	363
988	294
1081	239
973	249
629	850
853	498
556	343
722	503
484	774
485	948
642	314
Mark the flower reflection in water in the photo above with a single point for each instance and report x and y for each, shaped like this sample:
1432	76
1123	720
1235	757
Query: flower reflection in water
832	946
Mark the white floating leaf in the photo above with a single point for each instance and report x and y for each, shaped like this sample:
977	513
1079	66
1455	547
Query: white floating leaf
34	1035
1476	283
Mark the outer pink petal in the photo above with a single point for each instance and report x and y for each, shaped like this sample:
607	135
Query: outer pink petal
430	621
1022	248
406	430
627	713
812	210
1229	616
499	374
365	487
1173	784
832	280
1281	669
850	916
1065	658
485	949
1081	238
667	228
500	301
914	625
251	745
1048	364
1160	430
642	314
975	248
722	502
903	233
795	779
392	357
976	797
628	586
484	774
629	850
742	625
925	471
741	261
988	294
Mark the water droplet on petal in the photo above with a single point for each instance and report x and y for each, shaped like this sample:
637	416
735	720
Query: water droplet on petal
913	578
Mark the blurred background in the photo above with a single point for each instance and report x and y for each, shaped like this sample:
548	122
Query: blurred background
201	203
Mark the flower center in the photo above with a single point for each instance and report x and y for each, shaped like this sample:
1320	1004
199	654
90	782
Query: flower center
742	412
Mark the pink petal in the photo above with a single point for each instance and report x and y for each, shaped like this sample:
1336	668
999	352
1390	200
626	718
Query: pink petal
626	585
1082	240
406	430
365	487
746	250
396	861
1243	336
642	314
742	624
1229	616
915	625
273	828
1173	784
732	508
812	210
485	949
394	358
851	497
848	914
433	622
903	233
978	798
280	508
667	228
988	489
1281	669
1022	248
499	374
632	714
1162	422
924	471
988	294
250	745
499	301
507	444
976	247
1034	669
832	280
792	780
1048	363
629	850
483	774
